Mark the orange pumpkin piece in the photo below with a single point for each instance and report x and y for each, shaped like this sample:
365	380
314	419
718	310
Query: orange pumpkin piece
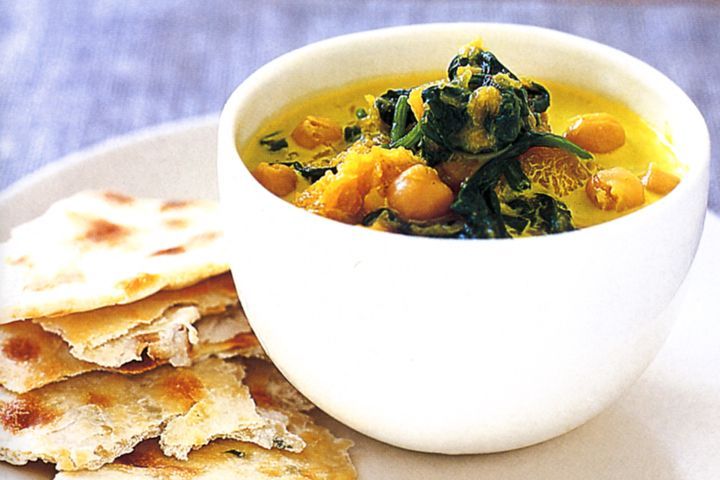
554	169
416	102
359	186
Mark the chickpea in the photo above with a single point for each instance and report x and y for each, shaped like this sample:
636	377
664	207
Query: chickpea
314	131
615	189
596	132
659	181
279	179
419	194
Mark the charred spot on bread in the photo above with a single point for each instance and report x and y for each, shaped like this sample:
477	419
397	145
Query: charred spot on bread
138	284
148	455
99	399
170	251
174	205
102	231
117	198
176	223
183	387
21	349
23	413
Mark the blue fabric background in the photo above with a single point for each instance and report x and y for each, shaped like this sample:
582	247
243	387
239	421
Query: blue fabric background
76	72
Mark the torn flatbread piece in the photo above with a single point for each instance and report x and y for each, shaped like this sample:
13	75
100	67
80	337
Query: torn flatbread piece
88	421
270	389
99	248
31	358
168	339
324	458
222	416
160	325
226	336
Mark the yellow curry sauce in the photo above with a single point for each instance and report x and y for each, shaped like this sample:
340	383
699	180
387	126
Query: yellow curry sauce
642	149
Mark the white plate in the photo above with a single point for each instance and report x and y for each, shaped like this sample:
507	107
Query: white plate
667	427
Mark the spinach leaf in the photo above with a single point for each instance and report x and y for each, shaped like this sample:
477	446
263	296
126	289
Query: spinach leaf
389	219
399	122
410	140
478	204
543	214
273	144
476	199
447	121
534	139
509	121
538	97
311	173
516	178
445	114
433	153
544	139
386	103
448	125
519	102
485	61
352	133
517	225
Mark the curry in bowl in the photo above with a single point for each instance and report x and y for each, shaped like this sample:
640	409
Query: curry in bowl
471	155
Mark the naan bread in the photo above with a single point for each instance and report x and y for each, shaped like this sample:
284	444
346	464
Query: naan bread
30	357
168	339
274	399
132	325
324	458
222	416
96	249
160	325
90	420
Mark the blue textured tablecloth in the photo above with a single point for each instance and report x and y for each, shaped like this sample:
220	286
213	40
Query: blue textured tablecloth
76	72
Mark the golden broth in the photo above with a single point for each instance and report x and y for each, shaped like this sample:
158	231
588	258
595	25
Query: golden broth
643	145
338	104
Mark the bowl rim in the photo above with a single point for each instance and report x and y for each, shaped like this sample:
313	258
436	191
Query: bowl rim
694	177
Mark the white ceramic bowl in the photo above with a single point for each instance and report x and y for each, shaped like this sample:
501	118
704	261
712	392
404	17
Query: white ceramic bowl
448	345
